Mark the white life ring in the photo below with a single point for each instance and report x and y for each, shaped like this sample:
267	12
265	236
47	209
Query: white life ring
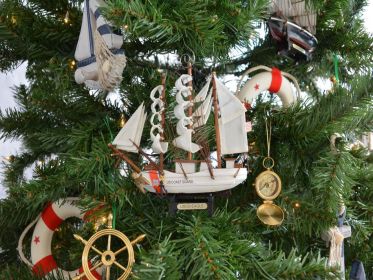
272	80
50	219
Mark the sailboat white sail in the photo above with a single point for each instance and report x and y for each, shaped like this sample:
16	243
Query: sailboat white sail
184	140
202	113
201	96
157	108
131	132
231	122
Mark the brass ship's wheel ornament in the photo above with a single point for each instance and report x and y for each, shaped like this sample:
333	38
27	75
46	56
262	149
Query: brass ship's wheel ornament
108	257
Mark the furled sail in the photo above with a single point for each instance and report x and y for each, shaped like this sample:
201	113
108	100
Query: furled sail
184	140
201	96
131	131
202	113
296	10
157	108
231	122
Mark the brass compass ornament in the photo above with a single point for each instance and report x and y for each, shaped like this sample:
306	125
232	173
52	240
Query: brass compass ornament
107	257
268	187
268	183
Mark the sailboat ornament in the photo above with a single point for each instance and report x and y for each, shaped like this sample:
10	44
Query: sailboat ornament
190	176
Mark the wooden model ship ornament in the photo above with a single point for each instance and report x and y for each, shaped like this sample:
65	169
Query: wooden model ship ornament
190	176
293	27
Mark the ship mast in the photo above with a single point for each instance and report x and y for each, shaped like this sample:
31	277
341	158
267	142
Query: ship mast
163	119
190	109
216	120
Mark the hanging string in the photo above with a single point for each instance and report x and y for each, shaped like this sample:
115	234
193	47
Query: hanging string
269	135
114	206
268	162
336	72
114	209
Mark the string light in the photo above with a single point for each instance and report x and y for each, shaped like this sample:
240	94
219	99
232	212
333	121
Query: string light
13	19
296	205
125	27
122	121
66	19
72	64
9	158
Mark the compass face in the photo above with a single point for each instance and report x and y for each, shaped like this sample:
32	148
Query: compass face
268	185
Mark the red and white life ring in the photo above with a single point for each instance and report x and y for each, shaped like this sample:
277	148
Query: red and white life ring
272	80
50	219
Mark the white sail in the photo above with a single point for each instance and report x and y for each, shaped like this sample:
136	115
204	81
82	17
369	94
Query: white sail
231	122
181	84
184	140
158	146
157	109
202	113
131	131
181	126
185	143
201	96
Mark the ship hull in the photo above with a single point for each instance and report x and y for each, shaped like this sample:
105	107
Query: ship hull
198	182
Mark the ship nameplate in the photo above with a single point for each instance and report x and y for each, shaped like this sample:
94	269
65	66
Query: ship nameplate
192	206
179	181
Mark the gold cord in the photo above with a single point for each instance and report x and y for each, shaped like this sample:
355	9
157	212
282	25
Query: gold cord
269	135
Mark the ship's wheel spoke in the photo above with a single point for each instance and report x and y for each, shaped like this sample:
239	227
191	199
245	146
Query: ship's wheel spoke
97	265
109	242
81	239
120	266
120	250
82	275
133	242
108	272
96	250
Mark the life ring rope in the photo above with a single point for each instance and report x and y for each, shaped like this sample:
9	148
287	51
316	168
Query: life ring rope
268	69
20	241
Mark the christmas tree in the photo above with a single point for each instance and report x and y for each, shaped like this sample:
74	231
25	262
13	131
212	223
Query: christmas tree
66	128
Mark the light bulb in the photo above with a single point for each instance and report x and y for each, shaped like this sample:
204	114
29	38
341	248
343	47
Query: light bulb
296	205
66	19
122	121
72	64
13	20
